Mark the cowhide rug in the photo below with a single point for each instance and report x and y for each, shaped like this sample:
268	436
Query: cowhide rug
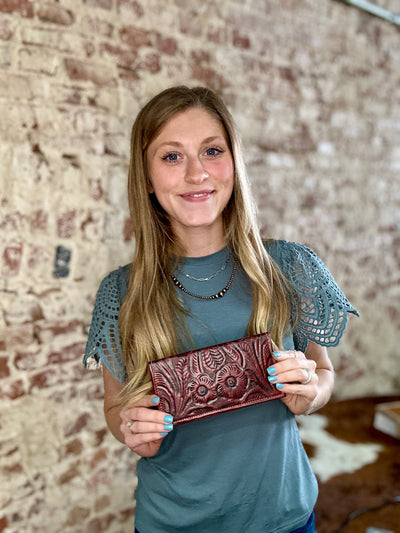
358	468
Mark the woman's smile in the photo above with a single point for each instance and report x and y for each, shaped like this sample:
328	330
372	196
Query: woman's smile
198	196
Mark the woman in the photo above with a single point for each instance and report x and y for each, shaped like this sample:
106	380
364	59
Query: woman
197	238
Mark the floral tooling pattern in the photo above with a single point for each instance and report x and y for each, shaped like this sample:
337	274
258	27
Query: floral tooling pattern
219	378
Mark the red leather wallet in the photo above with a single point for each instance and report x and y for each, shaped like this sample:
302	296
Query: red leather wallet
215	379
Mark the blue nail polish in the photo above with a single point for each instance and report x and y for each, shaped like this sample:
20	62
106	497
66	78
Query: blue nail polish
277	354
168	419
272	379
155	400
163	434
271	370
279	386
168	427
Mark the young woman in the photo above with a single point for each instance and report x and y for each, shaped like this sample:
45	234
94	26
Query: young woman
201	275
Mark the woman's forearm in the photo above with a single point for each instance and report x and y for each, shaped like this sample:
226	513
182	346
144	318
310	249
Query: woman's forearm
113	419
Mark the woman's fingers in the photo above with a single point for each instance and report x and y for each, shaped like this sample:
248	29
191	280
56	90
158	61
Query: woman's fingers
291	366
301	375
148	401
141	423
283	355
138	426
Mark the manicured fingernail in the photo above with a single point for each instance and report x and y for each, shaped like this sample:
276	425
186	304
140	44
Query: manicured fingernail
279	386
168	419
168	427
163	434
155	400
272	379
271	370
277	354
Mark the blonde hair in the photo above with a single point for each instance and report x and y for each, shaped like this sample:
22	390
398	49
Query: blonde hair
151	316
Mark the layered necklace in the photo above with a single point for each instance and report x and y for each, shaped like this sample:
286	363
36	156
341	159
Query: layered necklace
209	277
219	294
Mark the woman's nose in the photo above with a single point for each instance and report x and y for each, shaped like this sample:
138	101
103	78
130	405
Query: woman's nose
195	172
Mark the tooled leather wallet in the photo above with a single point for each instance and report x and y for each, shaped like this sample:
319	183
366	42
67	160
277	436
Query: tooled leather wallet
212	380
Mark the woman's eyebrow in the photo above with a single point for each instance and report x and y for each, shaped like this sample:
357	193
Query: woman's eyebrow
204	141
212	138
170	143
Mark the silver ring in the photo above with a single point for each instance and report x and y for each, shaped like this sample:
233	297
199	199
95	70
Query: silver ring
129	424
309	377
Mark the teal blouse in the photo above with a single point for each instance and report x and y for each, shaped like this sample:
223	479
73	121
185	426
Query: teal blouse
245	470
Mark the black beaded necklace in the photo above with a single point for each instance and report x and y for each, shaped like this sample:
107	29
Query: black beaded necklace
219	294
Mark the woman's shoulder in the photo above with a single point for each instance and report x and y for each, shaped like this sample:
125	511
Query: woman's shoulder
323	307
103	346
285	252
304	269
115	283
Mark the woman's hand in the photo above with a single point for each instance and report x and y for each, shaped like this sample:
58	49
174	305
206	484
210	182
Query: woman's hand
139	426
143	427
306	381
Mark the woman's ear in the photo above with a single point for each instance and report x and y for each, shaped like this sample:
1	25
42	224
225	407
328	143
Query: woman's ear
150	189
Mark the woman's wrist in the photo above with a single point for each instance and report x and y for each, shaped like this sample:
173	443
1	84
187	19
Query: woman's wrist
326	378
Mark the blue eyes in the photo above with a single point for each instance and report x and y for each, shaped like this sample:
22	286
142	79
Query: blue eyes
212	152
173	157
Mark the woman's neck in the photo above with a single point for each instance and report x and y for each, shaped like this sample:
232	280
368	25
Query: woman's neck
199	244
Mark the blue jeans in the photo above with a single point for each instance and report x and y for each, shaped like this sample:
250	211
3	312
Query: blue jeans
309	526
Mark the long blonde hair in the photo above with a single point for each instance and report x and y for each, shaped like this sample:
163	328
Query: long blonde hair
151	316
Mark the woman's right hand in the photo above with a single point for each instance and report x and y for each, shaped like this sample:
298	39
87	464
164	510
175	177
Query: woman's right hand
144	428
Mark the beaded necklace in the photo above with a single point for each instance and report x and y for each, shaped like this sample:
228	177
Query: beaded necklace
219	294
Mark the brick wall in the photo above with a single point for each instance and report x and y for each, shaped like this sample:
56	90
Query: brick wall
314	87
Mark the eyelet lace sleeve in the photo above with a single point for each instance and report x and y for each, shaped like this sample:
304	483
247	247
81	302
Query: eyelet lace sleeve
323	306
104	344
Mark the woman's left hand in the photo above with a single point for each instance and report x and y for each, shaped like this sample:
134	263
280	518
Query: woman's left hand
296	376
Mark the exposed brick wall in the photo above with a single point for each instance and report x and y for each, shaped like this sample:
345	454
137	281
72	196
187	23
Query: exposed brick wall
314	87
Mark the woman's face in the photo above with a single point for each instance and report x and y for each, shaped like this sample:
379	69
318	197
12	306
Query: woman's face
192	173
